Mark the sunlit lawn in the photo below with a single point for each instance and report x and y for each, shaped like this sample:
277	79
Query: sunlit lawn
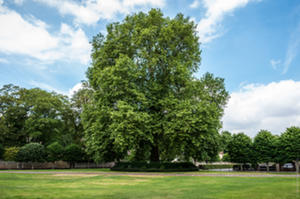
121	187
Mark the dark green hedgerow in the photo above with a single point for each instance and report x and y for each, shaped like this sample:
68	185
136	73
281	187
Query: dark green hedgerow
216	166
155	166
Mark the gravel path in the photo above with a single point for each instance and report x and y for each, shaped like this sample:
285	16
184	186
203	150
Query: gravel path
152	174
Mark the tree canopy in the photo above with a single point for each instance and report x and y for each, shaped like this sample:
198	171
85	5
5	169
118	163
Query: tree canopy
290	143
264	146
240	148
35	115
146	100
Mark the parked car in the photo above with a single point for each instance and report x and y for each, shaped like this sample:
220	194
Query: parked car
288	166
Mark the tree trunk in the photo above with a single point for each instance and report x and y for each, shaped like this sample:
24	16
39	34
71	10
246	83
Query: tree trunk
241	167
154	154
277	167
297	166
268	168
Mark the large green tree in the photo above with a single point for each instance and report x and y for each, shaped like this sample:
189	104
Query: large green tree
264	146
240	148
146	100
290	145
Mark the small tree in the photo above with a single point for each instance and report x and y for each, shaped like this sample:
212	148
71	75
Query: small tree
10	153
54	152
264	147
72	154
32	152
239	148
290	144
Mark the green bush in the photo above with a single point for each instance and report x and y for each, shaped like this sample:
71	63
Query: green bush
54	152
215	166
10	153
154	166
32	152
1	151
72	154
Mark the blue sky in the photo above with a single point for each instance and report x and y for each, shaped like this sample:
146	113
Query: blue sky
253	44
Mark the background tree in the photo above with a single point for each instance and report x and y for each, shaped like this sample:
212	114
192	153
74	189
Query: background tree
290	144
72	154
78	101
264	146
54	152
13	115
239	148
35	115
225	139
146	99
32	152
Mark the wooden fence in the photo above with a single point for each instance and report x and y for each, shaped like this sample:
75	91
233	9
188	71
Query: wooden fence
52	165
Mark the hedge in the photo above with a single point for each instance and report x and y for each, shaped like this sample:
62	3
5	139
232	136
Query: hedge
154	166
216	166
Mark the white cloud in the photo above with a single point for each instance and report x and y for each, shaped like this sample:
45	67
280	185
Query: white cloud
31	37
195	4
275	63
273	107
91	11
216	10
75	88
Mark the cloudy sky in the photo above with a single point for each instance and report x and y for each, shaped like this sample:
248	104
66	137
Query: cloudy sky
253	44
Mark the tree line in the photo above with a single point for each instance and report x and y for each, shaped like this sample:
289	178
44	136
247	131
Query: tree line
36	125
263	148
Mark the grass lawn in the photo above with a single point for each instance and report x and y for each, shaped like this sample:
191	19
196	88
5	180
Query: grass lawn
154	187
190	172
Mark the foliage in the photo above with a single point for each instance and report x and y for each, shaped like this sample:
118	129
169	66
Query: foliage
264	146
146	99
10	153
239	148
215	166
290	145
55	152
35	115
154	166
72	154
225	140
32	152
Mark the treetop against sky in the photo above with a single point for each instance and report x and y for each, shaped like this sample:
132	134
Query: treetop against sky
253	44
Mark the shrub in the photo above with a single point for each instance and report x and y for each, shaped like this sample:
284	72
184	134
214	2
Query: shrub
154	166
32	152
215	166
72	154
54	152
10	153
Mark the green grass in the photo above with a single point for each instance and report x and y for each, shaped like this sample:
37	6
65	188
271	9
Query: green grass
142	187
189	172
